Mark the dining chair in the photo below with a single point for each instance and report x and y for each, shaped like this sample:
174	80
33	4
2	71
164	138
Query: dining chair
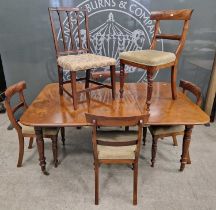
23	131
73	51
116	147
152	60
172	130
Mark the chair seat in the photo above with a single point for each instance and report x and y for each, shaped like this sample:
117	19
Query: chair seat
29	130
116	152
166	129
148	57
84	61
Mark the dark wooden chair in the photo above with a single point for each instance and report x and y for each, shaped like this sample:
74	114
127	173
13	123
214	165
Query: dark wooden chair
172	130
152	60
116	147
73	51
27	131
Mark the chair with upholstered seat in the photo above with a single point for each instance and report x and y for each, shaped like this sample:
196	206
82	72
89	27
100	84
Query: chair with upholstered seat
73	51
172	130
116	147
23	130
152	60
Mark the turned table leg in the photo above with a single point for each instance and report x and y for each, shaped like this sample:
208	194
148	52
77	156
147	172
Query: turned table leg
40	146
185	146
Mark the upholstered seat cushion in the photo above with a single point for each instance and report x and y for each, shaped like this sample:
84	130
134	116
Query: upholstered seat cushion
166	129
46	131
117	152
148	57
84	61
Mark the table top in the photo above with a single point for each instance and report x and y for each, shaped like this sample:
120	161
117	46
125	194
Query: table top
51	109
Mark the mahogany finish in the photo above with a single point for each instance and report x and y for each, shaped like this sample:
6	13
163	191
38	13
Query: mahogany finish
76	46
96	121
11	110
51	109
186	87
184	15
104	75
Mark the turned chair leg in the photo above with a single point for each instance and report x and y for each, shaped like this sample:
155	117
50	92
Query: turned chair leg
144	135
173	82
55	150
149	88
96	184
112	74
60	77
21	150
63	135
122	78
88	74
135	183
175	143
74	91
154	150
30	142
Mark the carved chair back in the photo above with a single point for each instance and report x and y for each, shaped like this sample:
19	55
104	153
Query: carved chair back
11	91
116	121
195	90
70	34
176	15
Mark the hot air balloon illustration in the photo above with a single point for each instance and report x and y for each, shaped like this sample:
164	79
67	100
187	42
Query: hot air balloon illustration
110	38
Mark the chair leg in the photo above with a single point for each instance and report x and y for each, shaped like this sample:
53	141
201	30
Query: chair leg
144	135
173	82
30	142
122	78
96	184
149	88
154	150
63	135
112	74
73	86
60	77
55	150
127	128
175	143
135	183
21	150
88	74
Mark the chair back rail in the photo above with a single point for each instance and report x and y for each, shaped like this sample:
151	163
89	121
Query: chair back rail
180	15
183	14
17	88
195	90
67	32
116	121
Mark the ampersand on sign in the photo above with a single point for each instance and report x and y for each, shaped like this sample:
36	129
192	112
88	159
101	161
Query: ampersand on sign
122	4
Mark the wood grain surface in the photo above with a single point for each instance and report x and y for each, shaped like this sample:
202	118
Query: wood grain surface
51	109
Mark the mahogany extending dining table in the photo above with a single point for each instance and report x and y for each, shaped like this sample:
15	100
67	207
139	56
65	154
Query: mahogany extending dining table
49	109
